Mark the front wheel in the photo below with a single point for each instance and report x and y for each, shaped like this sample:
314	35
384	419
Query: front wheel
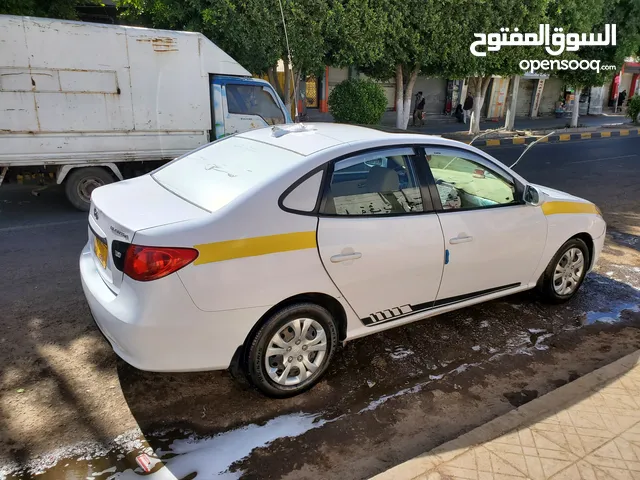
566	271
81	182
292	350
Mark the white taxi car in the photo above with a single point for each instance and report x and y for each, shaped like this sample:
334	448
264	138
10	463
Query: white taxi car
271	247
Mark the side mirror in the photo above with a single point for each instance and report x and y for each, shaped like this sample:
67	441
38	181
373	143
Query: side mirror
532	196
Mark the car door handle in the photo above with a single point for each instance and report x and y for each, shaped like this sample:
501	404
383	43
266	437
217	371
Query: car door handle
455	240
344	257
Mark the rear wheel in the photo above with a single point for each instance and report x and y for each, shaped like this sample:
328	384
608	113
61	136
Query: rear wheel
81	182
566	271
292	350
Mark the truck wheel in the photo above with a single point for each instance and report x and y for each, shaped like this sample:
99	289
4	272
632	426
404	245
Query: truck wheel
81	182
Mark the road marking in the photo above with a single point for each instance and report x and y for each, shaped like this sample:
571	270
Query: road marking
585	135
565	136
603	159
40	225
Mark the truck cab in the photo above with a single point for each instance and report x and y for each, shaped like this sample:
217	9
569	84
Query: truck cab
239	104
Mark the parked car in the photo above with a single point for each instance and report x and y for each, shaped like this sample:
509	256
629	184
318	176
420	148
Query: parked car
271	247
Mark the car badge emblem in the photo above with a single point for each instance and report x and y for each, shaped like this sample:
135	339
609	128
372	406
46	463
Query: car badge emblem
95	213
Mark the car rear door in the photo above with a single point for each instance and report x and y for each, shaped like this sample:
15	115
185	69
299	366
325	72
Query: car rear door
378	237
494	241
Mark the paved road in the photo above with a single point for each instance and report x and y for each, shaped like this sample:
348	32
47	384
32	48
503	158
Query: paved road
385	399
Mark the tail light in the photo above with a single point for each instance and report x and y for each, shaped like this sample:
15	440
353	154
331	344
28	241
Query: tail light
151	263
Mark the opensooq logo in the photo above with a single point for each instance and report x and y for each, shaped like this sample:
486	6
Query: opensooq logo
563	41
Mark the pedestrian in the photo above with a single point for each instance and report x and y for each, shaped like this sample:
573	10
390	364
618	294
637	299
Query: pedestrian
458	113
621	98
418	109
467	107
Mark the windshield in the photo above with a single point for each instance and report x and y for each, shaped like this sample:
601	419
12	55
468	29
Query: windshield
215	175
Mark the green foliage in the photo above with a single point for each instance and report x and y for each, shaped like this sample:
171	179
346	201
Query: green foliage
633	108
64	9
357	101
250	31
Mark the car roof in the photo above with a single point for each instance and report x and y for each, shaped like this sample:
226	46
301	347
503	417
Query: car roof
309	138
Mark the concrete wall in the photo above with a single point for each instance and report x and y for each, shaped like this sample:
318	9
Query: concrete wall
550	95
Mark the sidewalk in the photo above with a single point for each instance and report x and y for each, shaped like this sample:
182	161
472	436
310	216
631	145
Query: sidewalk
588	429
444	124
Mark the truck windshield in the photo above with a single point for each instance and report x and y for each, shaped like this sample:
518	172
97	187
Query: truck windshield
215	175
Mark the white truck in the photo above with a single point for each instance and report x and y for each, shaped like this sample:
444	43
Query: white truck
89	104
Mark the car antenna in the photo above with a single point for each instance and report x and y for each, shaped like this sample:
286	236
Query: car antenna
293	81
528	147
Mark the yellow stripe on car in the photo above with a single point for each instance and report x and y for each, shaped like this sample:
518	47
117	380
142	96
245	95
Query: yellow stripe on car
552	208
254	246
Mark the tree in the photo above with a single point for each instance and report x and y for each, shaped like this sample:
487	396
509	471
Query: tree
64	9
625	14
404	39
485	17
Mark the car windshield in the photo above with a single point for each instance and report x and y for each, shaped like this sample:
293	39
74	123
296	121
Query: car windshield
215	175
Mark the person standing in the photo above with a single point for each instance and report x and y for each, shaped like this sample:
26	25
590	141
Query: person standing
621	98
418	109
467	107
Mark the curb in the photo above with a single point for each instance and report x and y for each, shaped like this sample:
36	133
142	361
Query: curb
526	414
562	137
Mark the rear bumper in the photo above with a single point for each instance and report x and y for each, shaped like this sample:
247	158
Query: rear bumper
155	326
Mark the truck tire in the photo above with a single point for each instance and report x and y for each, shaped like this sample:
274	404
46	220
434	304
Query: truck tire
81	182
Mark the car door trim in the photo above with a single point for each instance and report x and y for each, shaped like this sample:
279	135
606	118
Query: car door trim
396	313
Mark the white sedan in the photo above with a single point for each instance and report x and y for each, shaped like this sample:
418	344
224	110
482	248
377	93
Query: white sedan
269	248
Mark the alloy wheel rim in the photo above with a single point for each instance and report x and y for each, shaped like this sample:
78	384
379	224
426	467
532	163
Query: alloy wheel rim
296	352
568	272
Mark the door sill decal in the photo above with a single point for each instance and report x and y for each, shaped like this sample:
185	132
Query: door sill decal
396	313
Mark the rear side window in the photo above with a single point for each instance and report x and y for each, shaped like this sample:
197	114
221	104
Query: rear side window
374	183
253	100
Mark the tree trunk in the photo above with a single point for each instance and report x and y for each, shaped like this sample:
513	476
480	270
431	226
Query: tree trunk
298	93
408	91
272	73
511	102
576	108
478	87
287	86
399	97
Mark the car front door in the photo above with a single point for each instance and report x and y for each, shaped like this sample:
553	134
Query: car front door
378	236
494	241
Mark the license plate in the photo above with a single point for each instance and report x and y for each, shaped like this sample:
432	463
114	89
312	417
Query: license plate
101	251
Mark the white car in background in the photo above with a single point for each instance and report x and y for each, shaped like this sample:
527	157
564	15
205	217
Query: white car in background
271	247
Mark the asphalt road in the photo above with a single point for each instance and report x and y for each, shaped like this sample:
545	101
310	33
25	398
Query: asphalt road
386	397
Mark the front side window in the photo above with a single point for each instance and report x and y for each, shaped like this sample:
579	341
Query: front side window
374	183
253	100
464	183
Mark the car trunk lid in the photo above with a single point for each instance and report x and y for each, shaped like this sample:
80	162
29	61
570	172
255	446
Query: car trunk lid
119	210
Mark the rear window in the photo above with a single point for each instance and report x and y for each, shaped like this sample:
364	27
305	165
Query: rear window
215	175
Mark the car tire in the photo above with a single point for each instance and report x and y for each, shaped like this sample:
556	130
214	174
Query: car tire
550	283
81	182
282	324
